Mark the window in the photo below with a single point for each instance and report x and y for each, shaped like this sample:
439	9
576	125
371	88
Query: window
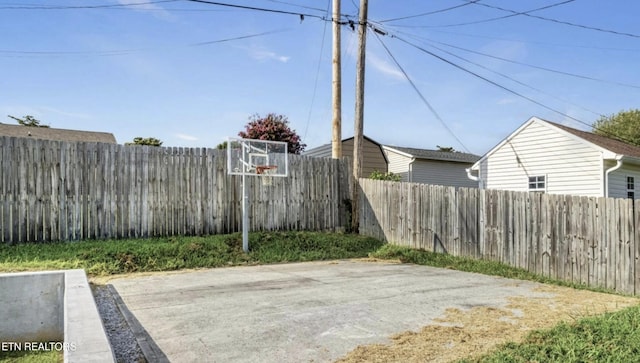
631	187
537	183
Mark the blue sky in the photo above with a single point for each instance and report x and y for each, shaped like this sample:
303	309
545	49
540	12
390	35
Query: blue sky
155	69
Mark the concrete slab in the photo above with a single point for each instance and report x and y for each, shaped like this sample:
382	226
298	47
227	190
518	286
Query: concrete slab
313	312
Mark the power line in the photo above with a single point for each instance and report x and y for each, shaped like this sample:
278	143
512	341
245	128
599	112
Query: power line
470	2
118	52
534	42
503	87
538	67
301	15
561	21
429	13
415	88
515	80
69	7
238	38
296	5
315	85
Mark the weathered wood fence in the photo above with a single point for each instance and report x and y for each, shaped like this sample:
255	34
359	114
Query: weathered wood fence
593	241
53	190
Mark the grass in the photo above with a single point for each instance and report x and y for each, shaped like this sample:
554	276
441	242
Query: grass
485	267
31	356
612	337
108	257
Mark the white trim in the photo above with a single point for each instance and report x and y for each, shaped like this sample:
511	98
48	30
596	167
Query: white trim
472	177
536	189
606	153
606	175
603	182
411	163
388	148
632	190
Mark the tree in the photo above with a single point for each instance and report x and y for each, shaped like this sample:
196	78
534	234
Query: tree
151	141
378	175
273	128
624	125
28	120
223	145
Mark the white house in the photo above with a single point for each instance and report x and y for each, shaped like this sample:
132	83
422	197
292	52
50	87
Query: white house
430	166
542	156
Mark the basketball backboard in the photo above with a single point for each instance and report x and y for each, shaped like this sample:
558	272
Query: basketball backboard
257	157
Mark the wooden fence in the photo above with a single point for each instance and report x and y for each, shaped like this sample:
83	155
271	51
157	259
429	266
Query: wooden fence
72	191
592	241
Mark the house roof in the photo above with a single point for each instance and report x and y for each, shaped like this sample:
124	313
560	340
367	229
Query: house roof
425	154
604	143
48	133
608	143
328	145
326	148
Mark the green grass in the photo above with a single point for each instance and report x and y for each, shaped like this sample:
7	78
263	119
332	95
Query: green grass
31	356
612	337
109	257
485	267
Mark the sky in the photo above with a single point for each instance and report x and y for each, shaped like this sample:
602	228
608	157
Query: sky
457	73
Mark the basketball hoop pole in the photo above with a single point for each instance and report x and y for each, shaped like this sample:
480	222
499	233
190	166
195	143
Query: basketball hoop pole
245	215
247	157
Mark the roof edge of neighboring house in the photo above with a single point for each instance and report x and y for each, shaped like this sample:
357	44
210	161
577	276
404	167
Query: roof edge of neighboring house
56	134
610	147
437	155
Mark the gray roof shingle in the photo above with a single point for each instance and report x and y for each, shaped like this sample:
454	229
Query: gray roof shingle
458	157
48	133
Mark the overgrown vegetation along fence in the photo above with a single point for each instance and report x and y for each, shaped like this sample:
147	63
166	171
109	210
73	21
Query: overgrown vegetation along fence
53	190
592	241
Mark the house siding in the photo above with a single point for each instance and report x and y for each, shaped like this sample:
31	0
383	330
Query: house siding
442	173
323	151
618	180
398	164
570	166
372	156
429	171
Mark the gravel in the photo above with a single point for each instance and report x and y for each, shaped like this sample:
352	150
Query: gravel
123	341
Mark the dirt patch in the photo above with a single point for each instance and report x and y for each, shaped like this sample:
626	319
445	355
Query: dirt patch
468	333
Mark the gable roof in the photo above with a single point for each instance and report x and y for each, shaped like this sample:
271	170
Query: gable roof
604	142
324	148
48	133
457	157
600	142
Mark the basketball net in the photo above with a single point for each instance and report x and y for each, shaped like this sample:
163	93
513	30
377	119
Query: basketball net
266	172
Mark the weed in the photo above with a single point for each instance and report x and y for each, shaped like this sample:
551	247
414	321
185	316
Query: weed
172	253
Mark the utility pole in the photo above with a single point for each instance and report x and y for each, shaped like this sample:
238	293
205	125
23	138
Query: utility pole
359	115
336	141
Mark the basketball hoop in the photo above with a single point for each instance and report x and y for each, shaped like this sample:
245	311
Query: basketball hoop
267	172
263	158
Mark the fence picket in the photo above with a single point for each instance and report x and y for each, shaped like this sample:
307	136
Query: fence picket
593	241
53	190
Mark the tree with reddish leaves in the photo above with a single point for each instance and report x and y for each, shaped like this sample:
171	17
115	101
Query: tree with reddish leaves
273	128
